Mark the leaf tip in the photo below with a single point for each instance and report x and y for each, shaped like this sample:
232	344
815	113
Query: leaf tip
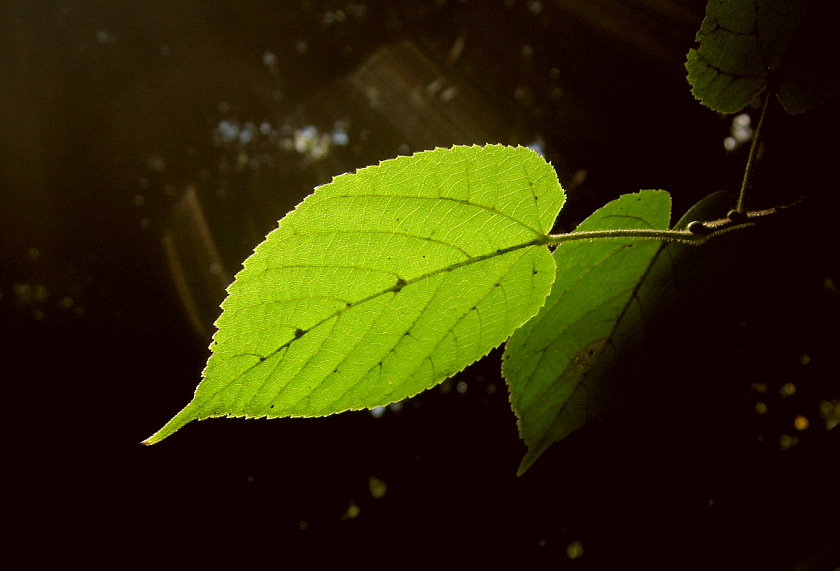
528	461
176	423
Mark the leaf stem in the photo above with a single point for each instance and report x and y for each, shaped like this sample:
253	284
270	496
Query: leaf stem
740	206
640	234
697	232
636	234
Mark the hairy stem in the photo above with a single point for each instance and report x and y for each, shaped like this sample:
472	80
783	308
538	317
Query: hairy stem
684	236
741	206
697	232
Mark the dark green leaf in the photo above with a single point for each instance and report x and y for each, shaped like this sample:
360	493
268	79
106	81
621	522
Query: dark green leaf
554	364
748	46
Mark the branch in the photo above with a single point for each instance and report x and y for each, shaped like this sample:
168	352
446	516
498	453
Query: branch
696	233
741	205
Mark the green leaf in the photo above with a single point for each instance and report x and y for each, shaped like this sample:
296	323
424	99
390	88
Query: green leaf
553	364
382	284
726	71
742	44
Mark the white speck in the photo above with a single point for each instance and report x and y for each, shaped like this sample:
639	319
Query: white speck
730	143
377	412
538	147
269	59
227	131
339	134
739	132
246	134
741	120
305	138
742	133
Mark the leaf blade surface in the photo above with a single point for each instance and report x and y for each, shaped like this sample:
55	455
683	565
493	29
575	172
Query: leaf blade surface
382	284
742	44
550	363
726	69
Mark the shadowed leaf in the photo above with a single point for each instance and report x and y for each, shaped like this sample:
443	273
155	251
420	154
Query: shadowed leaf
549	363
608	294
748	46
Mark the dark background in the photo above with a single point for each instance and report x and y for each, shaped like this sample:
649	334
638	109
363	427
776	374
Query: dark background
147	147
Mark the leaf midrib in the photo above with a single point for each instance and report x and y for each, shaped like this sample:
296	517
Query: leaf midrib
395	288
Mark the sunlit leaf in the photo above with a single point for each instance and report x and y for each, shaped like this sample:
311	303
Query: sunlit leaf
381	284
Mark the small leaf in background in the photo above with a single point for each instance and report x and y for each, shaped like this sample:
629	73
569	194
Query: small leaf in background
552	364
747	45
383	283
726	70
